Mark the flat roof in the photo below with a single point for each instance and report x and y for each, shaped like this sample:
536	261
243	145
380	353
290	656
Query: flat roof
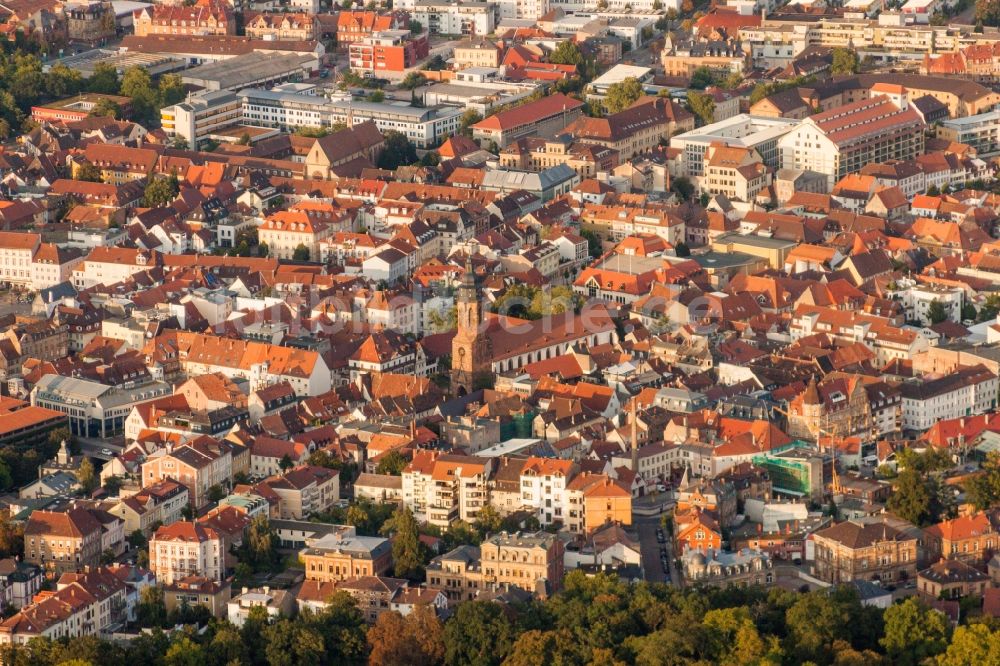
725	259
236	72
619	73
755	241
630	264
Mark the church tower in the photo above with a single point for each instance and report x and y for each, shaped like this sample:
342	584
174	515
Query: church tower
470	357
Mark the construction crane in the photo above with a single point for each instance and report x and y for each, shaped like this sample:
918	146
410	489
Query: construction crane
835	486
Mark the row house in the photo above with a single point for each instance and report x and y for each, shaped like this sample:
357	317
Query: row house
260	363
119	164
85	604
206	17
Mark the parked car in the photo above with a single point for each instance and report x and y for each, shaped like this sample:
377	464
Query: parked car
107	452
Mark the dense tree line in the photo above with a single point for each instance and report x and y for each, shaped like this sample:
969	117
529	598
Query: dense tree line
593	621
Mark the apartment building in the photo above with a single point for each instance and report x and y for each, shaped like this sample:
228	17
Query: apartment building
201	116
545	488
962	392
355	25
304	491
882	336
847	138
291	26
206	17
477	52
343	555
161	502
972	539
119	164
387	51
737	173
870	551
83	604
444	18
596	500
52	265
184	549
286	230
198	465
110	265
537	154
260	363
441	488
637	129
17	251
753	132
63	541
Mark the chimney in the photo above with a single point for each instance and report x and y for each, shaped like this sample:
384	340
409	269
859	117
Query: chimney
635	441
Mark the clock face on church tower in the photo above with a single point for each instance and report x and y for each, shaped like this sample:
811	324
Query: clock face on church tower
461	351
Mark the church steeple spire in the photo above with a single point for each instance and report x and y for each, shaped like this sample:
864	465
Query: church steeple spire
470	356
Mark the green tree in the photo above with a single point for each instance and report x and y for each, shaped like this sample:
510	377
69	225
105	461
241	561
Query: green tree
151	611
138	85
435	64
702	78
478	634
263	250
489	520
216	493
814	622
376	96
104	80
61	81
936	312
622	95
845	61
988	12
972	645
11	537
408	553
392	463
465	122
413	80
160	191
543	647
184	652
397	151
594	245
703	106
301	254
566	53
914	633
416	639
913	499
416	27
88	172
244	139
87	476
170	89
261	544
106	107
683	187
292	644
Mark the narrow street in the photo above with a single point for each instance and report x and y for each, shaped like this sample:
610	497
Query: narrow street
651	551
